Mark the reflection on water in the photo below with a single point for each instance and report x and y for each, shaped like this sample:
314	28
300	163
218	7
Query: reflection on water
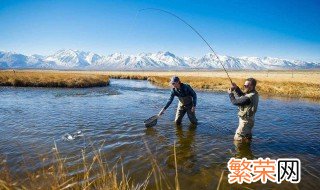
243	149
112	118
186	155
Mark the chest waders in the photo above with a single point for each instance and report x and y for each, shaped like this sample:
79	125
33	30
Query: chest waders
184	106
246	115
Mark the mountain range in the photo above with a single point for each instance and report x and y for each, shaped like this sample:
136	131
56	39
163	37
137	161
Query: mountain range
82	60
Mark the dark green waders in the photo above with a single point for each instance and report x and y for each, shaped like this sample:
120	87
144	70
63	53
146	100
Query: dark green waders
184	106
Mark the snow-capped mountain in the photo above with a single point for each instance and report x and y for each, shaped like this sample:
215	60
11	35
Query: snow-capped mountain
74	59
13	60
70	59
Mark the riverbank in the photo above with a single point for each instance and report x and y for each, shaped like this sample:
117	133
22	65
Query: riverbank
292	84
52	79
303	84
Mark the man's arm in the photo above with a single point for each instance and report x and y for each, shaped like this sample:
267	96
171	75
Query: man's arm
243	100
238	91
170	100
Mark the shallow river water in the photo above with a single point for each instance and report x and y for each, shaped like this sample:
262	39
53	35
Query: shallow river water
31	119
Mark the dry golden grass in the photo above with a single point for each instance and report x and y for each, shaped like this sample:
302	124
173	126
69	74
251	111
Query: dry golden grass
296	84
266	88
134	77
96	174
304	84
304	76
52	79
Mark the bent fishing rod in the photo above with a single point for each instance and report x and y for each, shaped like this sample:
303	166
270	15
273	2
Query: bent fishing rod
193	29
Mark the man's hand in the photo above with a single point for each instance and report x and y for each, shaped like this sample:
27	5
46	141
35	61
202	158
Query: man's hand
234	86
193	109
162	111
229	91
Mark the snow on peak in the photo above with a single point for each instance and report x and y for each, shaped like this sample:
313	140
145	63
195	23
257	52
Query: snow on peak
76	59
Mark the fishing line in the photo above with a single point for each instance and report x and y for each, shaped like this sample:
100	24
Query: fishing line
185	22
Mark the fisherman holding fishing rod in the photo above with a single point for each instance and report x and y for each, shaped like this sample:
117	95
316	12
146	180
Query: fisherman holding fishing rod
187	101
247	103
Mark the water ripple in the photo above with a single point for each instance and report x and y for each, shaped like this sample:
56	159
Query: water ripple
112	118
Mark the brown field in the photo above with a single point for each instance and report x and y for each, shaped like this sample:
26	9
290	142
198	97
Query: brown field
303	76
295	84
52	79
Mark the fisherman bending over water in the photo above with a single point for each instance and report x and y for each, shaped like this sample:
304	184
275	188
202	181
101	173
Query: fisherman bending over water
247	103
187	101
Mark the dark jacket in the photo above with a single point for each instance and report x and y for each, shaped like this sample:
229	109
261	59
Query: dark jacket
242	100
184	91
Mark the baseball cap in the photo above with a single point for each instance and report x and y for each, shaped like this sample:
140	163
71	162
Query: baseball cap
174	79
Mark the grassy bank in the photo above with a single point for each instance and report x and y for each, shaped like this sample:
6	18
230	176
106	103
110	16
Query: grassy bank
266	88
279	86
303	76
52	79
294	84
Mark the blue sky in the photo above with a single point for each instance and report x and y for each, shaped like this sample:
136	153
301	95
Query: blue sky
285	29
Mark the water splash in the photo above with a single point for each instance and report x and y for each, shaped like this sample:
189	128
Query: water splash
73	136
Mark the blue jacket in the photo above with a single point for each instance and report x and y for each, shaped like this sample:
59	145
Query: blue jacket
185	90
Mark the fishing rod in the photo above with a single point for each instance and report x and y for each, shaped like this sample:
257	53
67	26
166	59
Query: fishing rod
185	22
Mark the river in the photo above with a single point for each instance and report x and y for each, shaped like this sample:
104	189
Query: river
111	117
